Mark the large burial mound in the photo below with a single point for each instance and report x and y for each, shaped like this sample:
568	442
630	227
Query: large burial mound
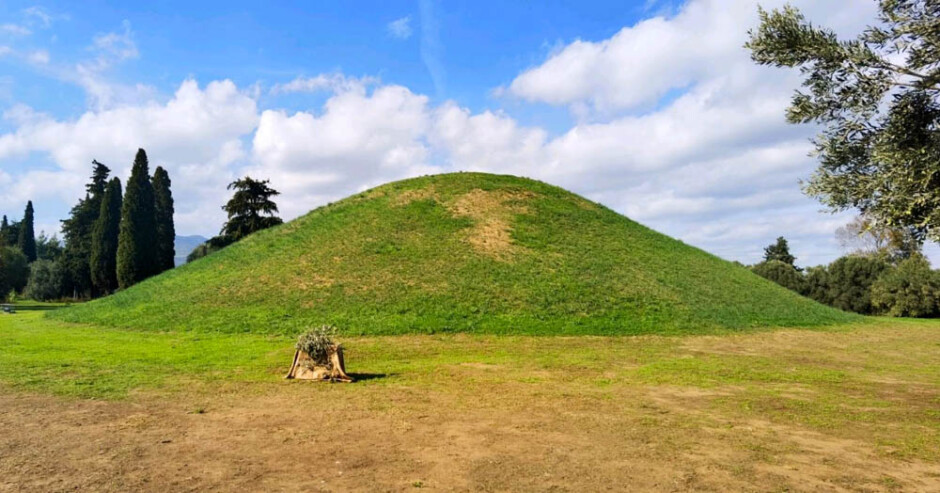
458	252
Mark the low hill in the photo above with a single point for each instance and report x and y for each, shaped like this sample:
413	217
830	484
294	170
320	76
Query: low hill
467	252
184	245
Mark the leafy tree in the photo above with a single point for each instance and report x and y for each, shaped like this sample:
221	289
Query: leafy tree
779	251
816	284
878	100
137	237
850	280
910	290
9	233
27	234
250	209
865	236
781	273
77	230
45	280
104	243
48	247
15	269
163	210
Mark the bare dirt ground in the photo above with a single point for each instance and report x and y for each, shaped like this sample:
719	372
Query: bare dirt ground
468	427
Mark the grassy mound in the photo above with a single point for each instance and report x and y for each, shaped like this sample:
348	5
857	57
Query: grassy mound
465	252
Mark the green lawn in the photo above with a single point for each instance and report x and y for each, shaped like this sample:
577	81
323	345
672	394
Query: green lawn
881	377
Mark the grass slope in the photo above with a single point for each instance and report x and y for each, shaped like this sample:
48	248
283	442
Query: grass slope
465	252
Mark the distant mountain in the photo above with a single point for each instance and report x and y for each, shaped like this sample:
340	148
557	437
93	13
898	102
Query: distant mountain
186	244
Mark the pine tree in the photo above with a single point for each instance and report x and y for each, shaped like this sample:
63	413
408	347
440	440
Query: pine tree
105	240
163	210
779	251
27	234
137	237
250	208
77	230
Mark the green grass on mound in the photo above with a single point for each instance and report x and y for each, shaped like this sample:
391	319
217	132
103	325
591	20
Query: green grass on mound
465	252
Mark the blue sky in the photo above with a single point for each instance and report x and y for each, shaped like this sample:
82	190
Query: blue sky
652	108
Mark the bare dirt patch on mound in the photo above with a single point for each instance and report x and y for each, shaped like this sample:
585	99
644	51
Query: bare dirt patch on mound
492	213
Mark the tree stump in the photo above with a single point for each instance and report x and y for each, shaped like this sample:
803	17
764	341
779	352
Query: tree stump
305	368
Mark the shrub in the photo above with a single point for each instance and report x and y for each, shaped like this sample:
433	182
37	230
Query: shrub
910	290
850	279
781	273
214	244
46	280
316	342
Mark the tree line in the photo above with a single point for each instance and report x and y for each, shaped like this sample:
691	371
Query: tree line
885	273
114	239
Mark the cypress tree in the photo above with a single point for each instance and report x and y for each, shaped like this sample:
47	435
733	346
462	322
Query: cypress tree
77	230
27	239
163	217
104	243
4	226
137	237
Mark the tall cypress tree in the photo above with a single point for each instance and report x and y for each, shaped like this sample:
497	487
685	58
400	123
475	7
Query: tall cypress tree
104	243
77	230
163	217
4	226
27	239
137	237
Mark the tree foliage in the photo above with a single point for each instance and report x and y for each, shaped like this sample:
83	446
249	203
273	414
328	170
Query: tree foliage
9	232
876	97
910	290
163	211
781	273
27	234
137	236
104	245
850	280
48	247
250	208
779	251
45	280
865	236
77	230
15	269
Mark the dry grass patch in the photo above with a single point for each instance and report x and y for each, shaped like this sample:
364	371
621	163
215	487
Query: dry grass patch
492	213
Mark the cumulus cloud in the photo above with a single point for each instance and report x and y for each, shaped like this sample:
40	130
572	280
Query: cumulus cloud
400	28
196	135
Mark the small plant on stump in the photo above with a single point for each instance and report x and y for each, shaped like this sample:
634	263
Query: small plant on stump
317	343
318	357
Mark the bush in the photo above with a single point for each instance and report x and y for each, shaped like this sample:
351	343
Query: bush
850	279
781	273
316	342
46	280
15	269
910	290
214	244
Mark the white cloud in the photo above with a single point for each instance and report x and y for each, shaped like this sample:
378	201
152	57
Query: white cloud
5	50
115	47
196	136
38	57
325	82
15	29
38	15
400	28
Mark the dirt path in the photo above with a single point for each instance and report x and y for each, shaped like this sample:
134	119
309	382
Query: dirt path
328	438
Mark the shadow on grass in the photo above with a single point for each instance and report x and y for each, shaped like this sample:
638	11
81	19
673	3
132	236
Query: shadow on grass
362	377
33	308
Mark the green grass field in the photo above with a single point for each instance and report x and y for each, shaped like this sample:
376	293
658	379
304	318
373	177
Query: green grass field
465	252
